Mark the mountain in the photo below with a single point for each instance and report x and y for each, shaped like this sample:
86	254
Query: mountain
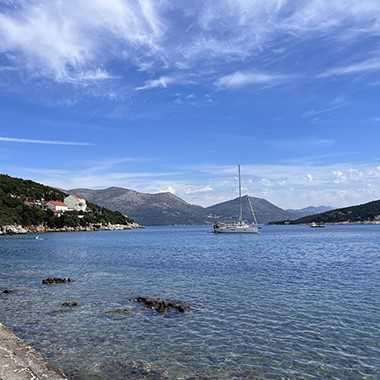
166	208
265	211
147	209
23	203
311	210
367	212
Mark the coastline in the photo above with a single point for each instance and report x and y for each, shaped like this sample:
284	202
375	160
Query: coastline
19	361
21	230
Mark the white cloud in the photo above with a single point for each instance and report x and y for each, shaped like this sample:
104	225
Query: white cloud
289	186
168	189
241	79
63	39
44	142
309	177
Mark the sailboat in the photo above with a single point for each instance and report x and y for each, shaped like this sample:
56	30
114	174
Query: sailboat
240	226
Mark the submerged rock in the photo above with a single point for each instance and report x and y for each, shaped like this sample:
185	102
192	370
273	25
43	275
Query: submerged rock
134	370
120	311
163	305
6	291
70	304
56	280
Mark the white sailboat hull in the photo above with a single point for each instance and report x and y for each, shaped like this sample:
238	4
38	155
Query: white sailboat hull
240	227
236	229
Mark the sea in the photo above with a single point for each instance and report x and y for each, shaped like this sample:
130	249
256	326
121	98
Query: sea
290	303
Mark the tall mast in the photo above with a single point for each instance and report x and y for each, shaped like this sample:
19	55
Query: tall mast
240	201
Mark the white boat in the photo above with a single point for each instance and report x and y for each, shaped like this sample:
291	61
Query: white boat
317	225
240	227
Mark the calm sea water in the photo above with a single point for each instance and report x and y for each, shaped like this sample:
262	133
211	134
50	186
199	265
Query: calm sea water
291	303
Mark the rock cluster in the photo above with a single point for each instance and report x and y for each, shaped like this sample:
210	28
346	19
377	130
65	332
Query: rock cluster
163	305
70	304
56	280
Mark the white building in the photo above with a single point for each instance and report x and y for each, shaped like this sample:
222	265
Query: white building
58	207
76	203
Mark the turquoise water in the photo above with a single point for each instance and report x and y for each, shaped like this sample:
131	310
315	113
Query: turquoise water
293	302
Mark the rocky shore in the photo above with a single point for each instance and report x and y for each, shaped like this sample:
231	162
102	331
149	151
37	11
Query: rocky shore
19	230
18	361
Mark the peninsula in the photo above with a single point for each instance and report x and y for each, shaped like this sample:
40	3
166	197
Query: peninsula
27	206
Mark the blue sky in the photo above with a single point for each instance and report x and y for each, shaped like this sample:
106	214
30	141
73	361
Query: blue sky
159	95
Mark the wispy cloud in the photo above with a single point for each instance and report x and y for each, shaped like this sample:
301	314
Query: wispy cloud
78	39
64	40
90	76
336	104
369	65
251	78
164	82
44	142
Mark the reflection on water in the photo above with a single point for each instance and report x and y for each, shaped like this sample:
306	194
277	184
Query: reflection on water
291	302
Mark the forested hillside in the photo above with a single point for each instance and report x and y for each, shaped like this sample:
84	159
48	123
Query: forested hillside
23	202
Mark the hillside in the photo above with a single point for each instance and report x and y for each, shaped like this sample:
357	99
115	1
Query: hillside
265	211
311	210
23	203
167	209
368	212
147	209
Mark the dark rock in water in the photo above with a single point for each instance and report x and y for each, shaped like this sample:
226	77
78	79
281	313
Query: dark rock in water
7	291
120	311
71	304
56	280
163	305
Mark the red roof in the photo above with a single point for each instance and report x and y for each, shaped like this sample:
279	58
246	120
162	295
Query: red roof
56	203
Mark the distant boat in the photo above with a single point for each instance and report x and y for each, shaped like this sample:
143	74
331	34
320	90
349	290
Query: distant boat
240	226
317	225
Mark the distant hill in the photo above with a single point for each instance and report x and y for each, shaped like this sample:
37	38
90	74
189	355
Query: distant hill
367	212
302	212
168	209
265	211
22	202
147	209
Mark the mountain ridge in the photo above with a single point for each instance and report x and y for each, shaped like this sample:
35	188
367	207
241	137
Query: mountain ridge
310	210
169	209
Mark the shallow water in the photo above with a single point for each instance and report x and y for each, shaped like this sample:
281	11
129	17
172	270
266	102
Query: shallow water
293	302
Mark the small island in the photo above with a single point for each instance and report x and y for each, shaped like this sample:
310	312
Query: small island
27	206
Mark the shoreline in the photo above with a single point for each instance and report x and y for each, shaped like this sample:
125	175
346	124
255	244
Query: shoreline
21	230
19	361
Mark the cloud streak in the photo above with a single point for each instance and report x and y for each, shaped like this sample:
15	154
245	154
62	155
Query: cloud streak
242	79
162	82
43	142
369	65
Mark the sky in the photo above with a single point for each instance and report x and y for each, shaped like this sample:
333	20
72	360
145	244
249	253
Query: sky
160	95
